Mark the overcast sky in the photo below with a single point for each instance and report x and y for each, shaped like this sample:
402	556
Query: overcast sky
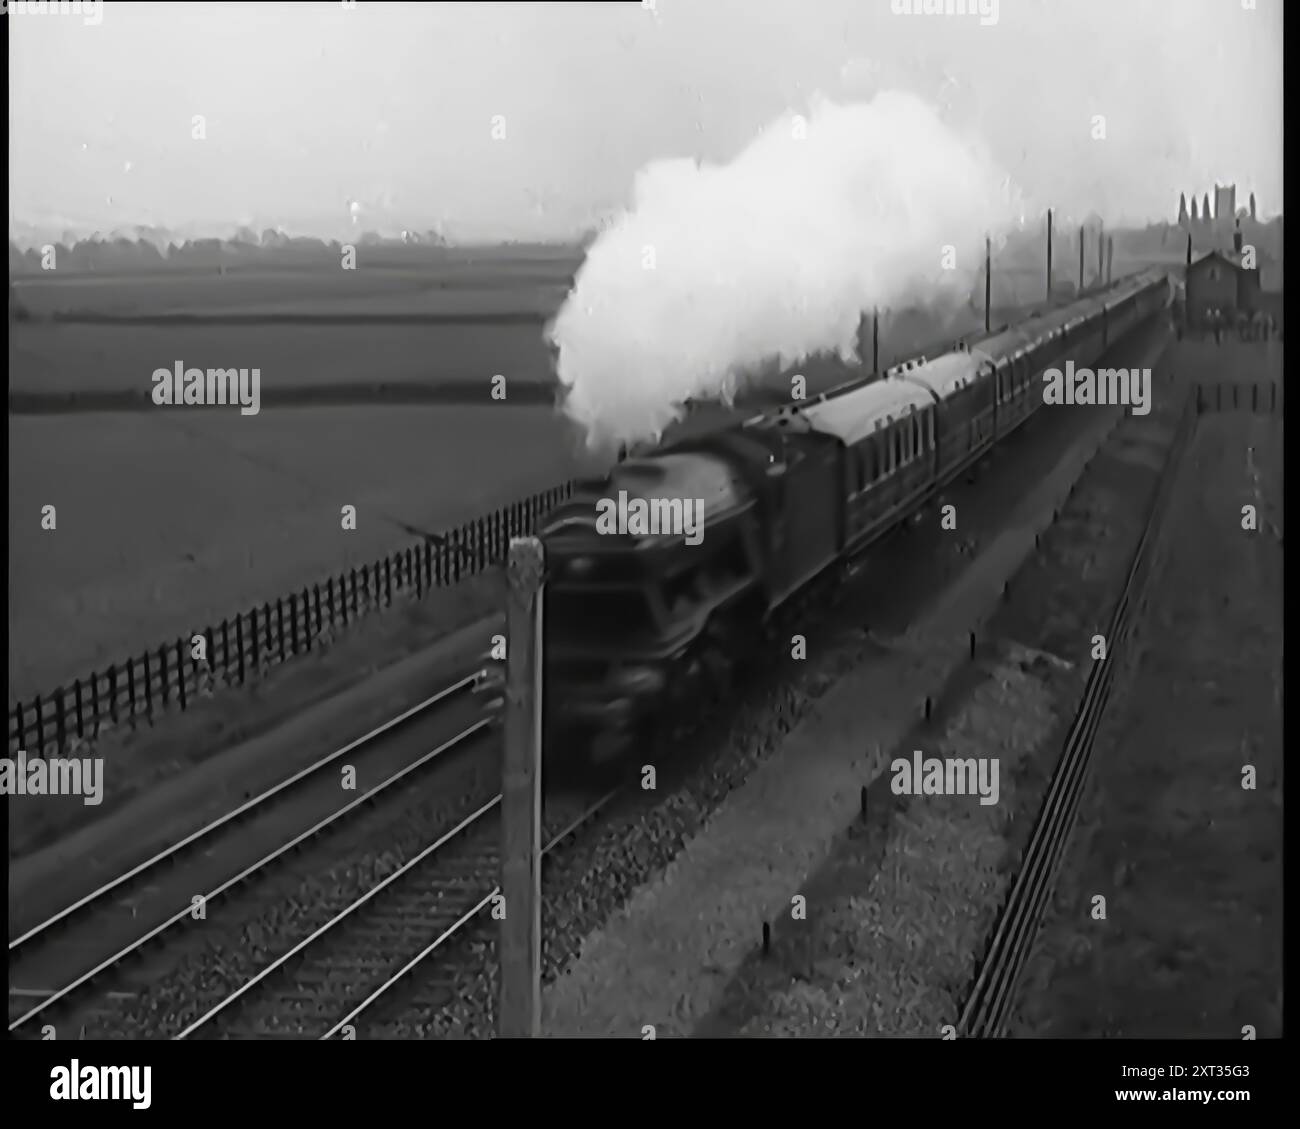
311	106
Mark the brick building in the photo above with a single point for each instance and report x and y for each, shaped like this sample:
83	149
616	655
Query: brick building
1217	280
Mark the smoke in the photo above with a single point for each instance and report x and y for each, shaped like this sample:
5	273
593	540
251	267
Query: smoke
718	271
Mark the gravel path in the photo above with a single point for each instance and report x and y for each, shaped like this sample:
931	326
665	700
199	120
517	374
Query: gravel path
894	926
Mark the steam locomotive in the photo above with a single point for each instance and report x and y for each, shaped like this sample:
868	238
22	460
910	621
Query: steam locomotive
638	623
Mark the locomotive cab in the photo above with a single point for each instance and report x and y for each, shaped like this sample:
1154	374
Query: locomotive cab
618	656
628	619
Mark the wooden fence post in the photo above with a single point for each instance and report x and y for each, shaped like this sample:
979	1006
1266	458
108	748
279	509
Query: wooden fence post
61	721
148	688
519	1011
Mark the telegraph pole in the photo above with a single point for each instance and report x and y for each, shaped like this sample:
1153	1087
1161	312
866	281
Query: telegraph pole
1081	259
1049	254
988	282
519	1011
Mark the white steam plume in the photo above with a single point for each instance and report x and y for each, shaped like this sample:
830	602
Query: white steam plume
718	270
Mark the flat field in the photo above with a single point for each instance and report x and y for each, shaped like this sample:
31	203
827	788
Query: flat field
53	358
378	271
166	521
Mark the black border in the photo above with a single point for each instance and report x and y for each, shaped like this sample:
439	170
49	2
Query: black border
997	1077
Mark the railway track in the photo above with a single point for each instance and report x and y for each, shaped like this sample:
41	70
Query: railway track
991	998
369	945
54	966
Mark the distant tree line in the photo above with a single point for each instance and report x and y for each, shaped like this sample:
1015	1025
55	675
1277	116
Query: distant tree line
153	251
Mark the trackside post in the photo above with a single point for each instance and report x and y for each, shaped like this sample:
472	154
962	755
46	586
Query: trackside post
519	1010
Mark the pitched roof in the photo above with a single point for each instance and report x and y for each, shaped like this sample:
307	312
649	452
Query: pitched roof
1268	269
1231	258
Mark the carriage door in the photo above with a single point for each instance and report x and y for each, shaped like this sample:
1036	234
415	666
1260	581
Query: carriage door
811	500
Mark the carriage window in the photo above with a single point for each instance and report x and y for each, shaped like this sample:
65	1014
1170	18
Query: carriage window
898	447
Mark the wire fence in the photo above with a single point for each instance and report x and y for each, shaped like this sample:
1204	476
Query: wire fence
238	650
